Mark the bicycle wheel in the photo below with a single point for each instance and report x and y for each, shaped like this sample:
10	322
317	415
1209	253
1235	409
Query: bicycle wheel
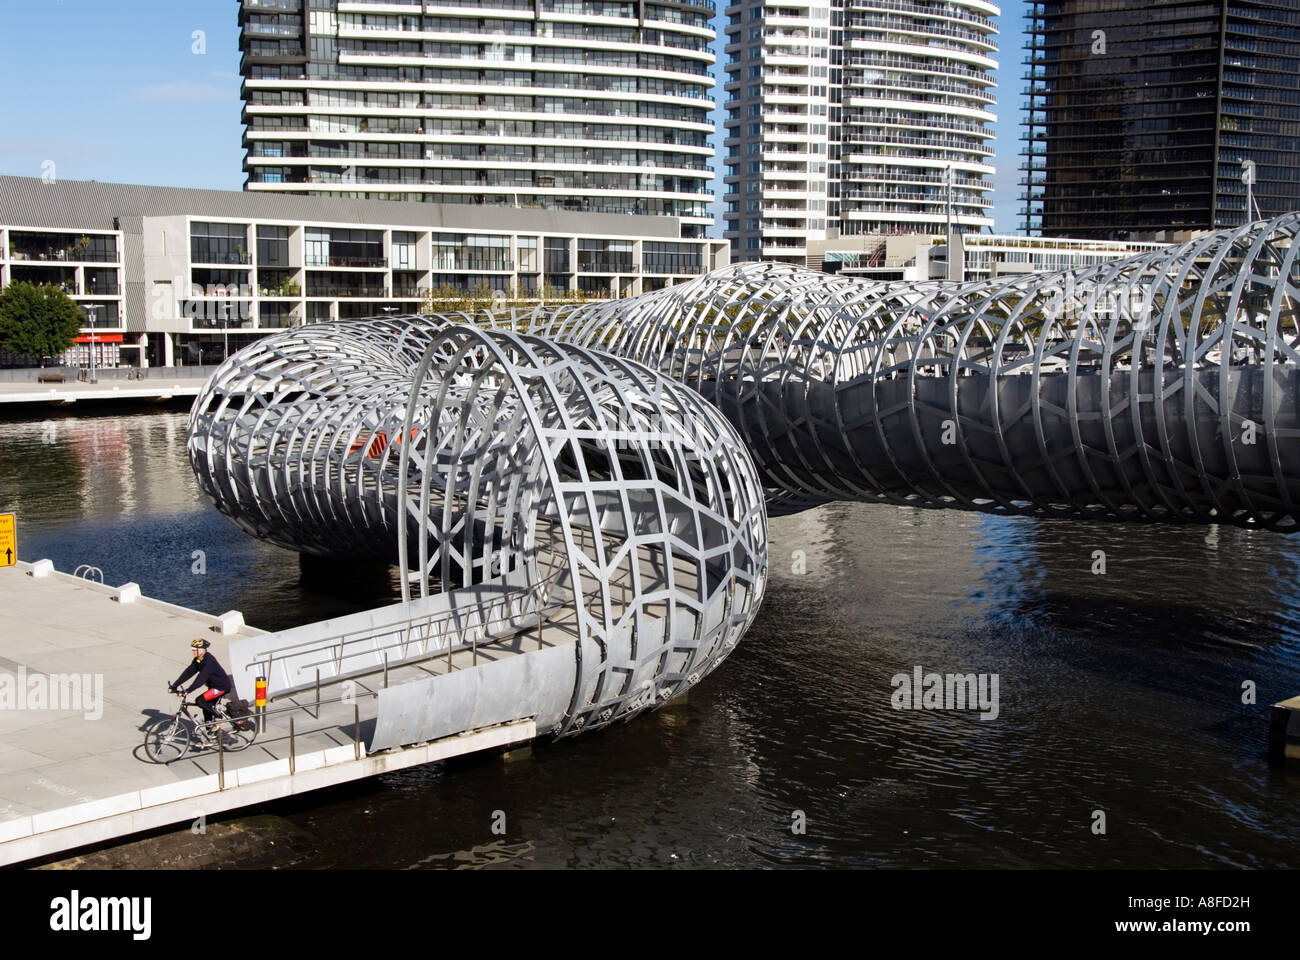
167	739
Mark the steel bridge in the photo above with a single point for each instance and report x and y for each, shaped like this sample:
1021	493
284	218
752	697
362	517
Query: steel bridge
602	473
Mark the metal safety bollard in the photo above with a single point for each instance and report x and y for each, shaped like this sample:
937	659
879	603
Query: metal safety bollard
260	703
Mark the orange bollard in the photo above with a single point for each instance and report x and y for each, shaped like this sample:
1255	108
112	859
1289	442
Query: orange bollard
259	702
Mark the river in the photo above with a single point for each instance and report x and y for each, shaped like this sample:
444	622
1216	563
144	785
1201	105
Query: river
1119	693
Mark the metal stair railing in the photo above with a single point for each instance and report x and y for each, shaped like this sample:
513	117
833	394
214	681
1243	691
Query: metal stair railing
533	603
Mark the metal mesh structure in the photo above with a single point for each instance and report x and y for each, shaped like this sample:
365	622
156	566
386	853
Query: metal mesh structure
618	506
1161	387
605	467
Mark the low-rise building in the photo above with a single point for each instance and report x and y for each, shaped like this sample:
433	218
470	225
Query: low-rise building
978	256
181	276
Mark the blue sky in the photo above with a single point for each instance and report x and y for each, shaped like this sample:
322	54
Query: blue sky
125	97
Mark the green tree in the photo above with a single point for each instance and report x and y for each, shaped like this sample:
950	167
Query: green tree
37	322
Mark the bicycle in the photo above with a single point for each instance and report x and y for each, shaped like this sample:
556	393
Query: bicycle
169	739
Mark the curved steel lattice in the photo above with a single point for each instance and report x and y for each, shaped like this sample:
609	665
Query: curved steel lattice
597	458
616	502
1161	387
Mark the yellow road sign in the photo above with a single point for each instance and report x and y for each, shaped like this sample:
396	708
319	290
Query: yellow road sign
8	540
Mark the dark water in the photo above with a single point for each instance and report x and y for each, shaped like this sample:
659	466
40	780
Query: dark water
1119	692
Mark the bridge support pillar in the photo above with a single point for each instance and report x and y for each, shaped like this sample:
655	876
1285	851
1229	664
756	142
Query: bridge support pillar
516	754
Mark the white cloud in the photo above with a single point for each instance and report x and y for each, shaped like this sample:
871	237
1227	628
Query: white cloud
185	92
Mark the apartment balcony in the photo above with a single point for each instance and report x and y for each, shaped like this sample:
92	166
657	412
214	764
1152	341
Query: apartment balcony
605	265
347	290
365	263
102	283
61	248
204	256
773	173
48	275
927	29
214	315
786	55
784	249
950	68
271	30
965	16
442	263
795	21
276	316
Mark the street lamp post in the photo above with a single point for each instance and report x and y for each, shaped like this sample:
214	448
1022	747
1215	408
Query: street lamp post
91	310
1248	178
949	175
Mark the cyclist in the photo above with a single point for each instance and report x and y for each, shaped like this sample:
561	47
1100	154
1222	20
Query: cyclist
209	672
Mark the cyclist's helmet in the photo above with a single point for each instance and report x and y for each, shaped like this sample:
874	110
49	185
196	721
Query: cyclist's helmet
198	643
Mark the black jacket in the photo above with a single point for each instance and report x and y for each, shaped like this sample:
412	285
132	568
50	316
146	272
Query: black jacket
209	672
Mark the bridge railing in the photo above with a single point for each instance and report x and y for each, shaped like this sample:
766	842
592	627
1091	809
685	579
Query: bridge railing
363	651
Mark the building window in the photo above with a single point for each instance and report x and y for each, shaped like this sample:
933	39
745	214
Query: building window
345	248
273	246
527	247
219	242
101	282
605	256
676	258
403	250
557	257
594	286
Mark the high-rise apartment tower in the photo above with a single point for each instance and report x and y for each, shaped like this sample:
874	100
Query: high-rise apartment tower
1142	112
856	117
581	105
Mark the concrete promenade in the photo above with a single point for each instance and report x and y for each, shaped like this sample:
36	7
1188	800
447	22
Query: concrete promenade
83	672
62	394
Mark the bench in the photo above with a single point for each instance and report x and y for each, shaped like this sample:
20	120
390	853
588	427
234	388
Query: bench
51	378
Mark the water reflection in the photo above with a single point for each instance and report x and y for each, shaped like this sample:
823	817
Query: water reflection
117	492
1119	691
65	467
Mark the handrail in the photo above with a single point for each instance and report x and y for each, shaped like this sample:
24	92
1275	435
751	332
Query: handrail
485	625
87	572
305	645
337	644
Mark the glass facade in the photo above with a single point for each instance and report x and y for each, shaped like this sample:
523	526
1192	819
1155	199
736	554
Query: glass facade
219	243
508	103
1141	114
846	117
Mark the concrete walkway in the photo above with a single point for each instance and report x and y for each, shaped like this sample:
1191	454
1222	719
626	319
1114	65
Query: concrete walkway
83	671
74	390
